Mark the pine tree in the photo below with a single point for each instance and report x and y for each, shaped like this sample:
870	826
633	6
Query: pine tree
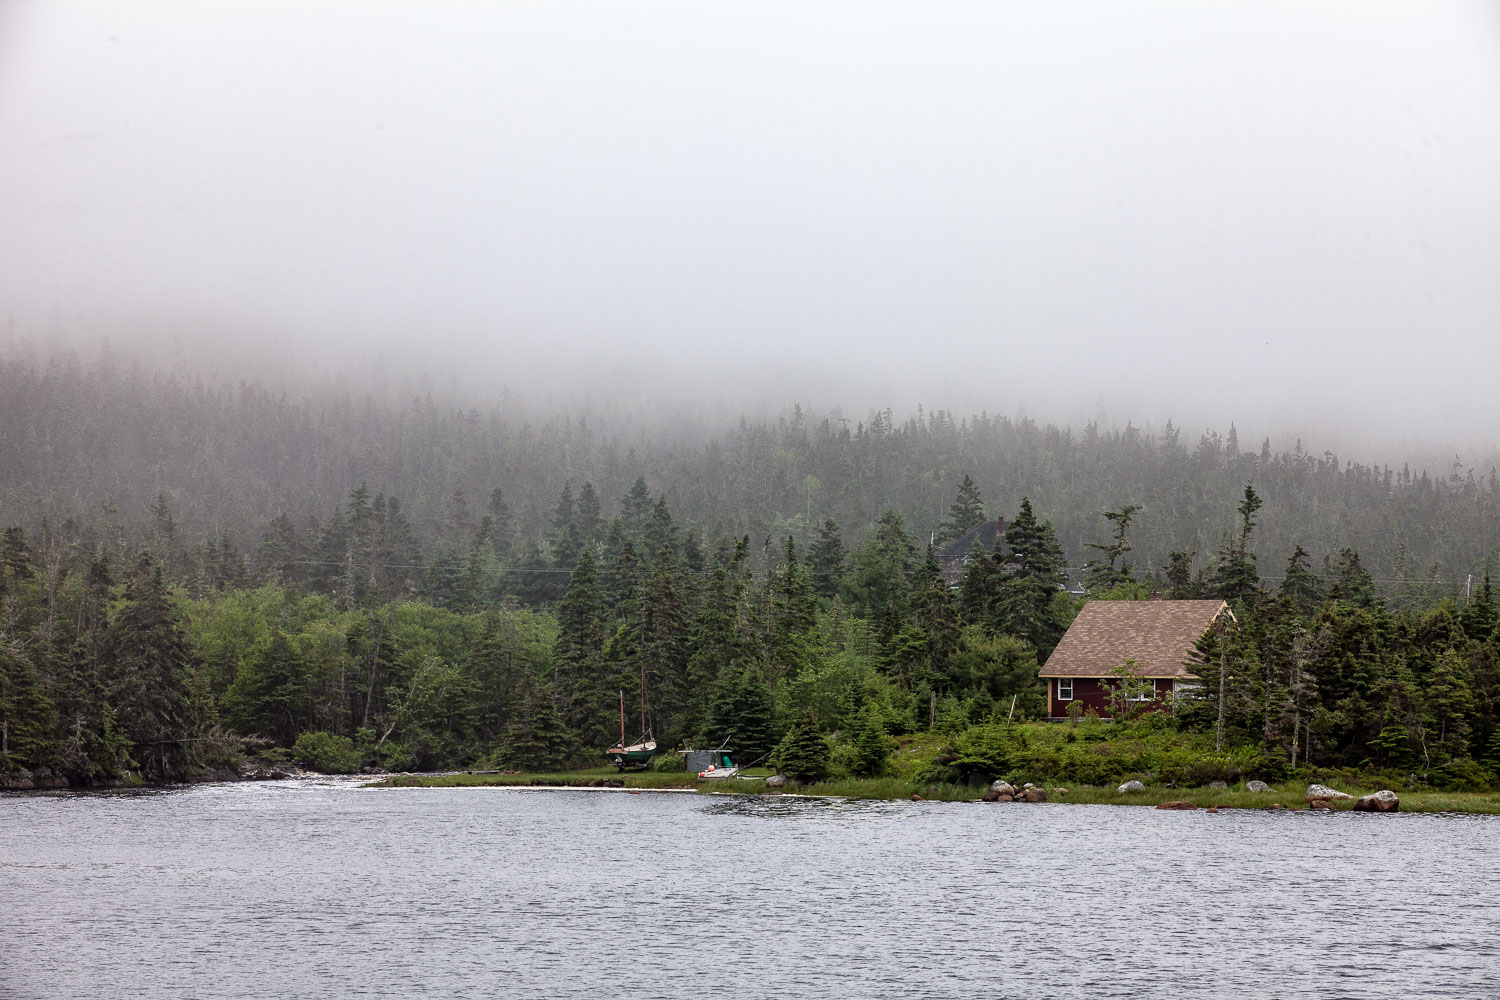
268	696
1235	576
635	508
1352	583
966	514
741	716
496	665
660	647
881	570
1180	584
980	587
1099	576
26	714
502	532
825	560
589	520
1301	586
148	663
870	747
1450	702
803	753
564	536
279	558
1479	616
1034	549
582	682
536	738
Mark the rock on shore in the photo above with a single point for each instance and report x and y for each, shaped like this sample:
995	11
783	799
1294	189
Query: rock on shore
1325	794
1383	801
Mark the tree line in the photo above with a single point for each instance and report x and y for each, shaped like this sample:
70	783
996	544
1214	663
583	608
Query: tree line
195	468
351	646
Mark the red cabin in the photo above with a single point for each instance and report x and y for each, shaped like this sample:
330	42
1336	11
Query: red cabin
1140	649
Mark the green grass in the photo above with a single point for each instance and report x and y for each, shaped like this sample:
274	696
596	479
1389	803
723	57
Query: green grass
1292	794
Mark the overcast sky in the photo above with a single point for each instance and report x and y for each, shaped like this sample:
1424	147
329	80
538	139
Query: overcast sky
1282	214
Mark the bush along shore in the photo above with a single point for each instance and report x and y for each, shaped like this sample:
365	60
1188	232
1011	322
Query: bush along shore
1139	764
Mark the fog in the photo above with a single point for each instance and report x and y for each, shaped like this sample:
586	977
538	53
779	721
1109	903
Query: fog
1280	215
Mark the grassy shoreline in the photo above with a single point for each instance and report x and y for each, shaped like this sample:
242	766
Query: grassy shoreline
1290	795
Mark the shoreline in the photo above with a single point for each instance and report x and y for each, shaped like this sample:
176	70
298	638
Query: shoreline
1286	798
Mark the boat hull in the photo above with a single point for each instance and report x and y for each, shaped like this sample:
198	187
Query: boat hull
639	755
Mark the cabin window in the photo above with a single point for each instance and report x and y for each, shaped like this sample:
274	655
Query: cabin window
1186	689
1141	689
1064	689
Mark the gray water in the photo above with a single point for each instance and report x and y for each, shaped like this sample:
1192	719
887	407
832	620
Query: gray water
324	889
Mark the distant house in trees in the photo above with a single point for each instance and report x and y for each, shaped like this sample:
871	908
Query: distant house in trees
1139	649
955	555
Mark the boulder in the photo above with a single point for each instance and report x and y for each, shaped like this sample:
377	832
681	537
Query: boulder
1276	807
1059	791
1325	793
18	780
1218	784
1320	805
1034	795
1383	801
1176	805
1131	786
1257	786
1003	787
1211	810
776	781
915	797
990	795
1005	797
1028	785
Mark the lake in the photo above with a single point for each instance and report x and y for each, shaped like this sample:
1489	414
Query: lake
321	888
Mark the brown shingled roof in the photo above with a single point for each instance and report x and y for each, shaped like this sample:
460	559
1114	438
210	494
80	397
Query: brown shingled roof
1158	635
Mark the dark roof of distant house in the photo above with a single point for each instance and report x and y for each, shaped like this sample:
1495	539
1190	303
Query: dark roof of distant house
985	533
1158	635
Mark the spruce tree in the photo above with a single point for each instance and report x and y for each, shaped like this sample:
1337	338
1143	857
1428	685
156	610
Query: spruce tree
564	536
536	738
803	754
1300	586
825	560
148	663
1102	576
583	683
966	514
741	716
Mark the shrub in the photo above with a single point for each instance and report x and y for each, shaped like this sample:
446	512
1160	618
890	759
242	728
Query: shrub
803	754
327	753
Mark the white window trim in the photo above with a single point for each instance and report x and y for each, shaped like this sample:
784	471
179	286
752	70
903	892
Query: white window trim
1140	692
1181	688
1060	682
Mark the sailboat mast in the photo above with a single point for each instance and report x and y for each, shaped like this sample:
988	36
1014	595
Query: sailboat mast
622	718
643	697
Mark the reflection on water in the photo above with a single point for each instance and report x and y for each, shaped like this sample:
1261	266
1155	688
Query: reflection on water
320	888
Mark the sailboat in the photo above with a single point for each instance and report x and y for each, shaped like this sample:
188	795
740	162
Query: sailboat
639	753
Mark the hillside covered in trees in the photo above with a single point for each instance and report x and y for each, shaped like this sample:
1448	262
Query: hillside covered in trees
347	648
124	456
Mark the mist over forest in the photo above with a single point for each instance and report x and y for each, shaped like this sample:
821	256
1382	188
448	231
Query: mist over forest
99	439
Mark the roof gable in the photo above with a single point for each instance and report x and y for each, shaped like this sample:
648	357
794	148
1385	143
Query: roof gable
1158	635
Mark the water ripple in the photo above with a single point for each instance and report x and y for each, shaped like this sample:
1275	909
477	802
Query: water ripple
322	889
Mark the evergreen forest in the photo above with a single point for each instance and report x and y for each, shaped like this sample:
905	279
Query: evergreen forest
193	571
